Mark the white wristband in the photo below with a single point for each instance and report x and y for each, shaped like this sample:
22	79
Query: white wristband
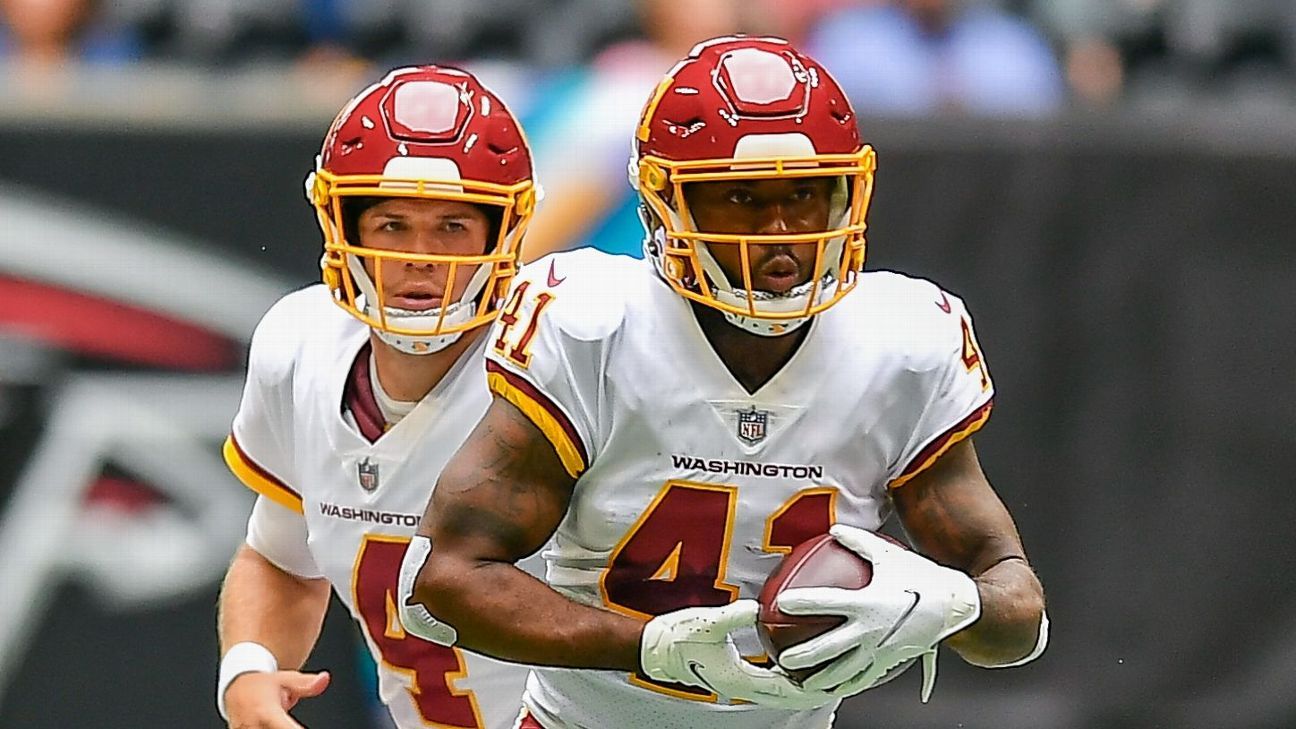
415	616
1041	642
242	658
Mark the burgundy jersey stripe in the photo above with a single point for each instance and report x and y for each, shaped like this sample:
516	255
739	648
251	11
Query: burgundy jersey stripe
937	445
543	401
358	397
258	470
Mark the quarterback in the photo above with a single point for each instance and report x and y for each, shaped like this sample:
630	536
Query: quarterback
677	424
361	388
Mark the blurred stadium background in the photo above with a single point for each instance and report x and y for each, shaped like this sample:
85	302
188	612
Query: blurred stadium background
1111	184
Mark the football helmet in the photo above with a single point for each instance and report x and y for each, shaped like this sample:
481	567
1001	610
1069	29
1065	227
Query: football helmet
434	133
753	109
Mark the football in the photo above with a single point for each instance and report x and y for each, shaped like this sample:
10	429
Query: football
817	562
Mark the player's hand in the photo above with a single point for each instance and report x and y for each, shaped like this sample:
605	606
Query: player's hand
263	700
911	604
693	646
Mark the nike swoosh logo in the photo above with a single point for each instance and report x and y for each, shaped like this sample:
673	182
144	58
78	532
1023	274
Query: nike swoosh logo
692	667
943	304
904	618
554	280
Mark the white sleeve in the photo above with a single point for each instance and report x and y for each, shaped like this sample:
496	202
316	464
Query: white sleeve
259	447
951	381
551	363
279	535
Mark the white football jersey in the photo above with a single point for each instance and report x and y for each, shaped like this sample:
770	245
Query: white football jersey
362	500
690	488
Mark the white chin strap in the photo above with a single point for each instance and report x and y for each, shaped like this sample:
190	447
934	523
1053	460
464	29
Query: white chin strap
766	302
457	314
771	304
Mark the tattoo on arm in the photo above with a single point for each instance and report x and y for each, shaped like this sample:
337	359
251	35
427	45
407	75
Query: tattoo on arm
953	515
498	500
503	494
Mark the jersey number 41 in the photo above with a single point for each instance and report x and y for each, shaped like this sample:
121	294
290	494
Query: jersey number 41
676	554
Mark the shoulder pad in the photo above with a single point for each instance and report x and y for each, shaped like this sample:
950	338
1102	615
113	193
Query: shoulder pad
911	313
590	290
286	328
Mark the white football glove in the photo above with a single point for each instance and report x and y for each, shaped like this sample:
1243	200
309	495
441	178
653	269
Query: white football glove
693	646
911	604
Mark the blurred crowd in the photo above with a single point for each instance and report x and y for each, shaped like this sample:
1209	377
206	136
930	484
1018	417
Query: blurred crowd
1013	57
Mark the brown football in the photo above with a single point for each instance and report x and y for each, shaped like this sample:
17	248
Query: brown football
817	562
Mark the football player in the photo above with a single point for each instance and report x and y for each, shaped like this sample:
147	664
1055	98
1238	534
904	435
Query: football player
678	424
361	388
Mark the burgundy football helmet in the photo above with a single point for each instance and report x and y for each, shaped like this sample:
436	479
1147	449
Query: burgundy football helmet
424	132
751	108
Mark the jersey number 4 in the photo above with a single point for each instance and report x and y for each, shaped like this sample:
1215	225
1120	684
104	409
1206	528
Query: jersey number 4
972	355
676	554
432	669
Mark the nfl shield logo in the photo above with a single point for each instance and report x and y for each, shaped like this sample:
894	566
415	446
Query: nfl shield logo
368	473
751	425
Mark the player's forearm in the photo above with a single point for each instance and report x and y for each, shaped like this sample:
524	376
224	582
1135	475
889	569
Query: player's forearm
1012	605
502	611
263	604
